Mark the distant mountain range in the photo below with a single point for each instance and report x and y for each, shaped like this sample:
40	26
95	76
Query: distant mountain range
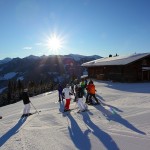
56	68
5	60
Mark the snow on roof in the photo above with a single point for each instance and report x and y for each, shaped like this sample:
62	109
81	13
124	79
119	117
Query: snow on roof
117	60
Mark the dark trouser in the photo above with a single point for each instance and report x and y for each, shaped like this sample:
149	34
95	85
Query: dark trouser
87	97
90	98
75	97
72	89
60	96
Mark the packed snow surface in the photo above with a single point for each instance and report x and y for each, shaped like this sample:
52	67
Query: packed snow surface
121	122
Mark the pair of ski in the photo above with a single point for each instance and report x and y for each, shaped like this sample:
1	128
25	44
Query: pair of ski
27	115
80	111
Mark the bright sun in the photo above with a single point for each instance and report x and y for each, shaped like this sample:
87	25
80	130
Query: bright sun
54	43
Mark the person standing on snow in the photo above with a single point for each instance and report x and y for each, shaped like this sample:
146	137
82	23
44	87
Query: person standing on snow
26	101
72	87
60	89
80	95
83	85
76	82
92	90
88	94
67	92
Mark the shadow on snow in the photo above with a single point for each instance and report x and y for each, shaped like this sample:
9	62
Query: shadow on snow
11	132
111	115
105	138
79	138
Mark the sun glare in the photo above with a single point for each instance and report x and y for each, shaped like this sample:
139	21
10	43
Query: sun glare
54	43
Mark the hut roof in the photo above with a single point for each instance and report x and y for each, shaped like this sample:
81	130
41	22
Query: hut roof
116	60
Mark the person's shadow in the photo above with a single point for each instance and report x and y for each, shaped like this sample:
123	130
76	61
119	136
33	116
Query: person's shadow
4	138
113	108
61	106
79	138
100	98
104	137
61	109
110	112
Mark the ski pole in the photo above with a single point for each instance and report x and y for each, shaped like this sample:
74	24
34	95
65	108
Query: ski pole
34	107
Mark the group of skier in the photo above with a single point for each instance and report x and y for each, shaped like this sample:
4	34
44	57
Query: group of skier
79	90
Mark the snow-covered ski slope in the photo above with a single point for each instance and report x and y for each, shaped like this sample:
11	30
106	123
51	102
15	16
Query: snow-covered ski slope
122	122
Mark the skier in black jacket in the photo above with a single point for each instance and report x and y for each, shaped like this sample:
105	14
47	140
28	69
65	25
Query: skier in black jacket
26	101
80	94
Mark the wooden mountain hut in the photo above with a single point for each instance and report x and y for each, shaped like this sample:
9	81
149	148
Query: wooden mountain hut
133	68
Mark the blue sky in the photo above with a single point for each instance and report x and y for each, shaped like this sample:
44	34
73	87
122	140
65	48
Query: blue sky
85	27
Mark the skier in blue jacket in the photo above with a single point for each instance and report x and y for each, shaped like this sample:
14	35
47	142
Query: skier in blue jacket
60	89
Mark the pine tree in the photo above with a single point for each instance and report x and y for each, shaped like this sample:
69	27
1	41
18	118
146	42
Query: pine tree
9	92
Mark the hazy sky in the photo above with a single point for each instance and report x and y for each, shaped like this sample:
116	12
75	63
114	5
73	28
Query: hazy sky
85	27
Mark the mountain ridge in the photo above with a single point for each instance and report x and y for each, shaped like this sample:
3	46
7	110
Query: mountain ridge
56	68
